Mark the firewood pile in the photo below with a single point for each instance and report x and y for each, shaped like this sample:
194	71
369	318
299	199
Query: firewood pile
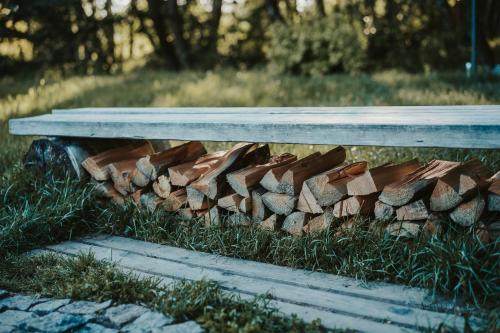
247	185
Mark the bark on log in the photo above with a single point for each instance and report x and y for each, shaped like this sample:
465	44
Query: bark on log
184	174
356	205
330	186
208	184
97	165
271	180
292	180
279	203
152	166
242	180
375	179
417	184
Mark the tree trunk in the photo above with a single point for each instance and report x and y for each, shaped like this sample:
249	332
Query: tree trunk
165	49
320	7
176	22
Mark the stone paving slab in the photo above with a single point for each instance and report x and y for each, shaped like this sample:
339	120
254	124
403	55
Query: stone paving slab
123	314
49	306
84	307
21	313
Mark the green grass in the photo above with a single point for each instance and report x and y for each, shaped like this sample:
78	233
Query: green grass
88	279
35	212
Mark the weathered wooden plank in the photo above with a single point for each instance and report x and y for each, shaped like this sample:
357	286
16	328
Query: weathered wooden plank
397	126
334	283
353	306
445	109
328	319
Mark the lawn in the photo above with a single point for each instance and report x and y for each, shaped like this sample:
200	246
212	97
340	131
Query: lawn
35	211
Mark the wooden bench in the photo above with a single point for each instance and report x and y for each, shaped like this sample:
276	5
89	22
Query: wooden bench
408	126
337	301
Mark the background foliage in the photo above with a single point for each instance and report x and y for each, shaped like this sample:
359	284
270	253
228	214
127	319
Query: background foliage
296	36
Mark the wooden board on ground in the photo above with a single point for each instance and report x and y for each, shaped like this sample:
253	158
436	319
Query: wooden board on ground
337	301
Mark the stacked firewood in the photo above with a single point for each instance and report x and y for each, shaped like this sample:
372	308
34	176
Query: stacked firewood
246	185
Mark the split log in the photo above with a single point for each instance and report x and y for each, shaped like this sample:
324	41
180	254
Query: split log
150	200
460	184
434	224
176	200
246	205
196	199
383	211
107	191
272	223
162	187
210	183
213	216
121	173
272	178
307	203
319	223
494	193
230	202
281	204
259	211
469	212
375	179
413	211
242	180
152	166
417	184
356	205
295	222
329	187
187	213
407	229
292	180
97	165
185	173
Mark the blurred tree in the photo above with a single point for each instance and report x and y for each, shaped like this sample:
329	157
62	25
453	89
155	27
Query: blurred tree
91	35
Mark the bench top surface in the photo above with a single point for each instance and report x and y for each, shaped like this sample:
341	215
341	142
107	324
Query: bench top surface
476	126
